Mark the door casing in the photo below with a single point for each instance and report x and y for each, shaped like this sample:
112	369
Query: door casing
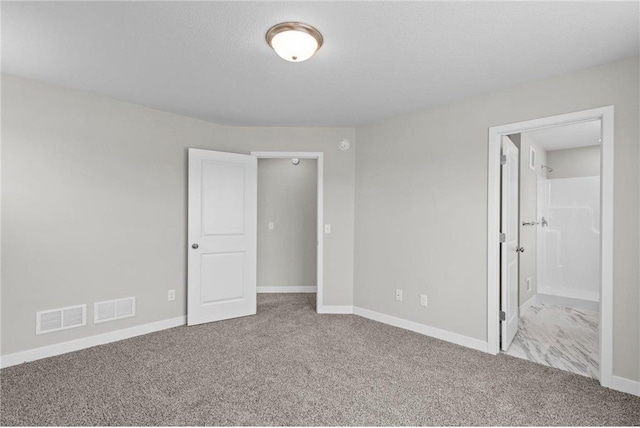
606	116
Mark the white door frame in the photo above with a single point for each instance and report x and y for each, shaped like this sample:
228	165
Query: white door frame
605	114
320	221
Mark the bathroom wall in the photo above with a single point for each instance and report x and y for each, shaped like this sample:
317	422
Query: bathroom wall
287	198
576	162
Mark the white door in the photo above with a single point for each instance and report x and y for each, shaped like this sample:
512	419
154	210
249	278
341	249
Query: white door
222	236
509	249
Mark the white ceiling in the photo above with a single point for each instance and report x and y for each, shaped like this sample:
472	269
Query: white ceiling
568	136
380	59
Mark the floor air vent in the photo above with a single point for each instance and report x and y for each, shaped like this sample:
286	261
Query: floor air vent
110	310
61	319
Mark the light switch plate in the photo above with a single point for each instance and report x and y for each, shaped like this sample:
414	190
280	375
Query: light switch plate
327	228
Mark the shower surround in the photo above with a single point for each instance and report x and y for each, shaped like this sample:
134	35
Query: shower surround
568	253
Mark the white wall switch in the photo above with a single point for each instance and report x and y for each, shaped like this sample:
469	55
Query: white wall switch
271	225
423	300
399	295
528	283
171	295
327	228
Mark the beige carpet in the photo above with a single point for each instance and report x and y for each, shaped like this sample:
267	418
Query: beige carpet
290	366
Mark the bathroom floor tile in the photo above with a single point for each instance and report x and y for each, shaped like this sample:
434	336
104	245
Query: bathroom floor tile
559	337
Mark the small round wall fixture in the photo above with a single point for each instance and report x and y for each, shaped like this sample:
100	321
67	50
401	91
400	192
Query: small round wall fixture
344	144
295	161
294	41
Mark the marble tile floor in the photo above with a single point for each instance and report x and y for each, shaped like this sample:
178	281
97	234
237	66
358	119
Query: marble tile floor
564	338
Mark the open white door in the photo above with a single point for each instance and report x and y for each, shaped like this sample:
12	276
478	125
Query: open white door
509	248
222	236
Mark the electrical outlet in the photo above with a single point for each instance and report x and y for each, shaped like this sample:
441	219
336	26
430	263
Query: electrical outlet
271	225
171	295
423	300
399	295
529	284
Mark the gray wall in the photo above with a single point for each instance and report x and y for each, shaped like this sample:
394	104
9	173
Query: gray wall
94	205
528	212
421	203
287	196
578	162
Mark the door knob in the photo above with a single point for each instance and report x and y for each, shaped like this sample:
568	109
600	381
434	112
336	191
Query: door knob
520	249
195	246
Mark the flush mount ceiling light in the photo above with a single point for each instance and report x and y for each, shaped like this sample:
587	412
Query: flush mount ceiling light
294	41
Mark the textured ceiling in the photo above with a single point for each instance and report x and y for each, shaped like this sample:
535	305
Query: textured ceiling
380	59
568	136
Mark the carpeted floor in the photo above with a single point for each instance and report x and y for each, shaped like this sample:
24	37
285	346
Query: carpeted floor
290	366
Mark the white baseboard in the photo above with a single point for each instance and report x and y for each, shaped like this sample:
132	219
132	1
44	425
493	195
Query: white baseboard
290	289
618	383
87	342
447	336
335	309
529	302
625	385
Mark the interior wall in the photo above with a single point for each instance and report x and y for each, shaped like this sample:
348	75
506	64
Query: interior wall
528	195
421	203
287	197
576	162
94	205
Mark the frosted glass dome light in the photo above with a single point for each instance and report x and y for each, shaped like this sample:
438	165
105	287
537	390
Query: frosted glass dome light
294	41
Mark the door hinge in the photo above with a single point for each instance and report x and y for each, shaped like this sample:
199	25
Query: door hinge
503	160
503	237
503	316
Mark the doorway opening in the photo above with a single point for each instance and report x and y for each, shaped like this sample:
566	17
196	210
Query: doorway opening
545	286
290	219
558	294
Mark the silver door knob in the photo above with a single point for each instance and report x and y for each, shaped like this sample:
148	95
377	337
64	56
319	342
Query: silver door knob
195	246
520	249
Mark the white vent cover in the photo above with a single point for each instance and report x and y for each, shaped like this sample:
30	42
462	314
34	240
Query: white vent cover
61	319
114	309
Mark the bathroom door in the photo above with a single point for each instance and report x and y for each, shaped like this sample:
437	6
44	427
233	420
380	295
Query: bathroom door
222	235
509	248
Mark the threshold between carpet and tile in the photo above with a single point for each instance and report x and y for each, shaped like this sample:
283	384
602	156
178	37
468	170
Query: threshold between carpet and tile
290	366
